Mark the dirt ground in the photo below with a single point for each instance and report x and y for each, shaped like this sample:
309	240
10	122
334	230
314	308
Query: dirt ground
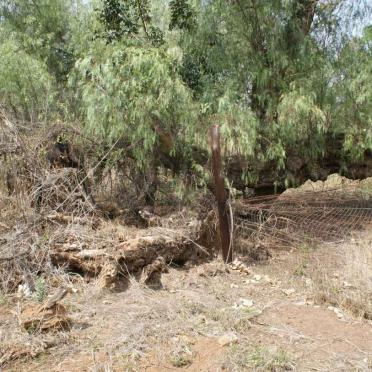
274	316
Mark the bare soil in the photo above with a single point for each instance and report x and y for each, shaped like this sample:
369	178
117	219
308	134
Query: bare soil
273	319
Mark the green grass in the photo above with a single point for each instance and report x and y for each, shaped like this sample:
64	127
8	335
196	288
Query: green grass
181	357
3	300
246	357
40	289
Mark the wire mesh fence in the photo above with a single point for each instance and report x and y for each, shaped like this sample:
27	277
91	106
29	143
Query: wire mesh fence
300	217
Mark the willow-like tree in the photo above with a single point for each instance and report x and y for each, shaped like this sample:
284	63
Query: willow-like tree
280	59
289	81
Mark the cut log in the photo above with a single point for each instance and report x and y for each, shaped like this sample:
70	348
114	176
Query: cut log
151	274
119	260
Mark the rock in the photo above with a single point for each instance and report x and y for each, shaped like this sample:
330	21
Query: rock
24	291
347	285
300	303
239	266
338	313
260	279
246	302
243	302
228	339
289	291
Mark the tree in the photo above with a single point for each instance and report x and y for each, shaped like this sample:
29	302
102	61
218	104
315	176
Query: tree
283	78
352	92
135	94
25	84
128	18
279	60
42	29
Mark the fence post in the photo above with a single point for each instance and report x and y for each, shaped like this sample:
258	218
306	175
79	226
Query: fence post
220	194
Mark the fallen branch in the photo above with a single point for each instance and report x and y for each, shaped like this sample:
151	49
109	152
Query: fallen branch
5	259
4	226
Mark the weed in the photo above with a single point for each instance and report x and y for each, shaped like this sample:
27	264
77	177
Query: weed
243	322
3	300
258	358
182	356
44	238
300	270
242	325
129	362
304	247
40	289
32	329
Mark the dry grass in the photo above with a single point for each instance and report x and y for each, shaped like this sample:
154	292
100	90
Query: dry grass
127	326
25	244
343	276
164	318
246	356
141	327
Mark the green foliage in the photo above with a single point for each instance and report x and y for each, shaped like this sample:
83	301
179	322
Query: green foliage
82	26
277	59
353	95
300	120
183	16
40	289
127	18
238	125
134	93
41	28
3	299
117	19
25	84
282	78
258	358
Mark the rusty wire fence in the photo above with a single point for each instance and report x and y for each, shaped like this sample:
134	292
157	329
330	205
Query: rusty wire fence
296	218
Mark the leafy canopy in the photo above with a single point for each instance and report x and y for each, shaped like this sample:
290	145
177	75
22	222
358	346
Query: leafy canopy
26	86
283	78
